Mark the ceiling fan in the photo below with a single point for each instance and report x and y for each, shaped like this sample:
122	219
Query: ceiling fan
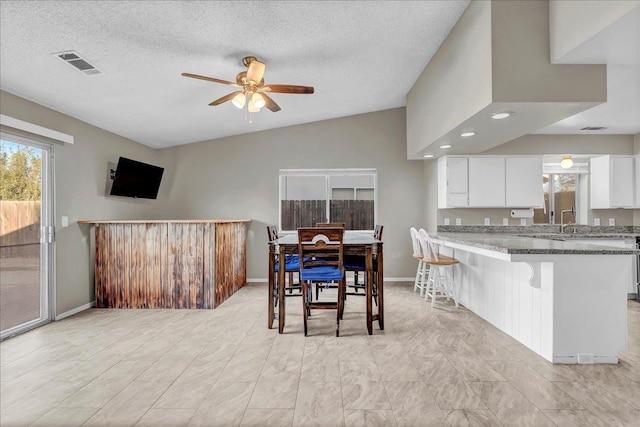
253	88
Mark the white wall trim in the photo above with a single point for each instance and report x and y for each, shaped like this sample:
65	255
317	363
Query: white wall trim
35	129
75	311
386	279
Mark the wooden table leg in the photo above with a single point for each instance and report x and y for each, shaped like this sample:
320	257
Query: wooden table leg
271	288
281	298
369	267
380	278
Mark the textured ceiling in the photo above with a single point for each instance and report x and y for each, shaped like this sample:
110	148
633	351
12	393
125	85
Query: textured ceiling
360	57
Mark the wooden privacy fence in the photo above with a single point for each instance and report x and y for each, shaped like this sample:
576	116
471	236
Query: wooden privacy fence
563	200
19	223
357	214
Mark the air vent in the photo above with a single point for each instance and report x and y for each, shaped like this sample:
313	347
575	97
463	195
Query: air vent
594	128
77	62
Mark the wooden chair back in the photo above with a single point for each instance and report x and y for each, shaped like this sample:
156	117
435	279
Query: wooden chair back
272	233
377	232
321	246
331	224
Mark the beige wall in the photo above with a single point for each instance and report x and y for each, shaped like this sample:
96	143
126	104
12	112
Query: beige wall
547	144
237	177
574	22
456	82
80	180
520	59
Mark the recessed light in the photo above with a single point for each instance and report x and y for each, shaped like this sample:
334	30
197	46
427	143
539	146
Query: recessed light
428	156
445	146
499	116
466	134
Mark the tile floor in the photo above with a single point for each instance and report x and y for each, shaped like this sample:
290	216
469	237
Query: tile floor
224	367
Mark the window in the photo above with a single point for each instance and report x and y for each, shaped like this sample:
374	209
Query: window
310	196
561	193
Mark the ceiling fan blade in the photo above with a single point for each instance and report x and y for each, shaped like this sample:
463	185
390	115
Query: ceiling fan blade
225	98
270	103
210	79
287	89
255	71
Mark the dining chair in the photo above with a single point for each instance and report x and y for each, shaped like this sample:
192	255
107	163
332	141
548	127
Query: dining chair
440	279
292	265
319	286
331	224
357	264
321	253
422	271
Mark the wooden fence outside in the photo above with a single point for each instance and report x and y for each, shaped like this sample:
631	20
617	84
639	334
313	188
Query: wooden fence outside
357	214
19	222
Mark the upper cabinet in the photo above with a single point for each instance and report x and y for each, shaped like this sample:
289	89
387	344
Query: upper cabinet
524	182
486	182
453	182
615	182
490	182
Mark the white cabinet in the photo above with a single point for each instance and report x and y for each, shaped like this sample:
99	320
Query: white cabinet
453	182
490	182
614	182
524	182
486	182
637	182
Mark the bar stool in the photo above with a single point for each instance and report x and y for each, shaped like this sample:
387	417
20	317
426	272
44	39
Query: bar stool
440	277
422	271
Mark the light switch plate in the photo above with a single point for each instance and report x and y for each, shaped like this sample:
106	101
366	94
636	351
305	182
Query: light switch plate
447	221
612	221
596	221
487	221
505	221
64	221
458	221
523	221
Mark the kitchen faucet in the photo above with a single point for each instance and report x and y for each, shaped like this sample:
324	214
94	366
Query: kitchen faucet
562	224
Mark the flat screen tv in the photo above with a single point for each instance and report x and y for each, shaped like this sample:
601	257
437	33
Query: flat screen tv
136	179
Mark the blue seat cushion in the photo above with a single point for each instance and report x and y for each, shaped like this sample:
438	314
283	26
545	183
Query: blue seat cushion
291	263
325	273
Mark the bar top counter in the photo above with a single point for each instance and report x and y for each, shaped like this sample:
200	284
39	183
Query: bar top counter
526	244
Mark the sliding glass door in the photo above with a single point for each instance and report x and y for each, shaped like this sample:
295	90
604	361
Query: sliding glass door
26	234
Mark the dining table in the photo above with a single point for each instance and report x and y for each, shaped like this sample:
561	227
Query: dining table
354	243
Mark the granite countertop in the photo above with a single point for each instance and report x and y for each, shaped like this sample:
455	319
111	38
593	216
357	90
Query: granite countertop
514	244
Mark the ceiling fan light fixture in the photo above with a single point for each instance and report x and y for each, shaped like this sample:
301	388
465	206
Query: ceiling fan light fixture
257	100
566	162
239	100
252	108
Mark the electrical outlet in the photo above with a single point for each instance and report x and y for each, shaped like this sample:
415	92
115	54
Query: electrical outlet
487	221
612	221
505	221
458	221
586	359
523	221
447	221
596	221
64	221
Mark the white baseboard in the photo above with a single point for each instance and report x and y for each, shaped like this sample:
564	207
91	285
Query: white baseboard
386	279
75	310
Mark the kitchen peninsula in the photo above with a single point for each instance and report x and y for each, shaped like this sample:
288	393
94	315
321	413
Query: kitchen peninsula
566	301
168	264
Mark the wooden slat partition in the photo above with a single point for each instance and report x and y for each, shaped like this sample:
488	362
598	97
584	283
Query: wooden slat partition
169	265
231	272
